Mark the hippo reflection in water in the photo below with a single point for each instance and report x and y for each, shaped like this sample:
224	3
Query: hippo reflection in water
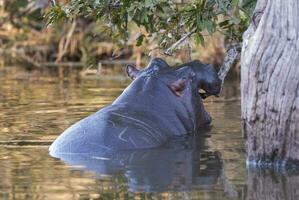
162	102
181	164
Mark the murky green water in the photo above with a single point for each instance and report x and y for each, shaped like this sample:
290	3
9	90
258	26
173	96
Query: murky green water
35	109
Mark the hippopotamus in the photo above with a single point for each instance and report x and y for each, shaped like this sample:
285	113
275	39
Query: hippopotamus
162	102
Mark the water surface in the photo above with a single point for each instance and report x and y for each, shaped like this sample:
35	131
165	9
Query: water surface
36	108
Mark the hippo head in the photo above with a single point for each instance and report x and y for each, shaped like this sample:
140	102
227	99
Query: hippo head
195	75
206	77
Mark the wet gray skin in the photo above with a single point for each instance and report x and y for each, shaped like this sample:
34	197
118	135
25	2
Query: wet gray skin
162	102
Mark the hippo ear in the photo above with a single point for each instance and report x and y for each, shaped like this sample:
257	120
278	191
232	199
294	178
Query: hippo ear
132	71
177	87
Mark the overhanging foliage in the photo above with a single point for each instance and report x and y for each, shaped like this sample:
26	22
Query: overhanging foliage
162	20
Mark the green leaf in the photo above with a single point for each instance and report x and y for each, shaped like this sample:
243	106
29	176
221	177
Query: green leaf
148	3
210	27
199	38
54	15
223	23
235	2
139	39
235	20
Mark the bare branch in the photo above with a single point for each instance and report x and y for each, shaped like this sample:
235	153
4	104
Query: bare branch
35	5
229	60
178	43
53	2
65	41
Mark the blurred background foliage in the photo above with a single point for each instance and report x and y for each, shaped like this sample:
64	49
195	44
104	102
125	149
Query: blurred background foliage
84	33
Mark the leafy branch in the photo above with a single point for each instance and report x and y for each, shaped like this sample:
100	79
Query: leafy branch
163	20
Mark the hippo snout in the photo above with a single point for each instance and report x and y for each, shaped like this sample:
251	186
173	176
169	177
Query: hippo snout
217	86
214	87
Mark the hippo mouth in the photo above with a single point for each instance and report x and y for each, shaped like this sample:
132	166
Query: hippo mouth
214	90
205	94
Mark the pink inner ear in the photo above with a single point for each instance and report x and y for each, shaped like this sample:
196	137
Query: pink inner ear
178	87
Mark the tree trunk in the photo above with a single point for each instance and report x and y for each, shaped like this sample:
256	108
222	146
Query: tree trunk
270	84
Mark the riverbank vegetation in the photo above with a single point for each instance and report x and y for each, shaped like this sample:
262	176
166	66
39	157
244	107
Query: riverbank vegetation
87	34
